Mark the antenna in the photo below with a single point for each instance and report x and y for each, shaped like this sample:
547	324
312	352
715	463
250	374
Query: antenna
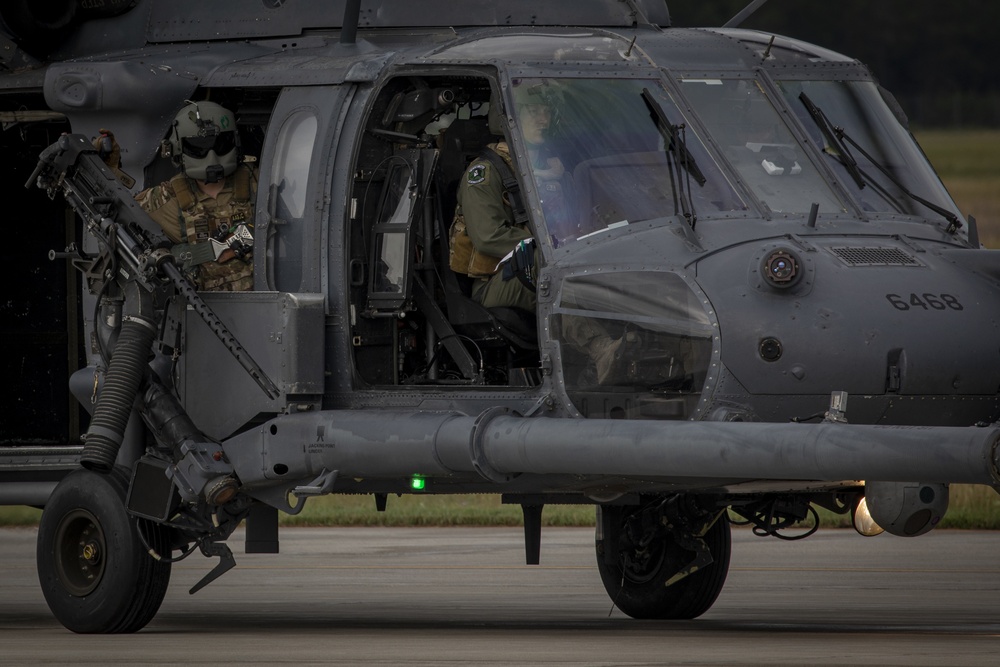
744	14
767	51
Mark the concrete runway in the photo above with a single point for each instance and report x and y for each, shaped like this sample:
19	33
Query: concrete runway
462	596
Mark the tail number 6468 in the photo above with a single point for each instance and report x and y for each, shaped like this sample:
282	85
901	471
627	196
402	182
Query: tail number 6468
925	301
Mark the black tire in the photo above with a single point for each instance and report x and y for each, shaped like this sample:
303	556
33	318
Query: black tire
95	573
642	592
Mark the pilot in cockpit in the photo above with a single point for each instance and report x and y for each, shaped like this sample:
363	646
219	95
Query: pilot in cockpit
490	240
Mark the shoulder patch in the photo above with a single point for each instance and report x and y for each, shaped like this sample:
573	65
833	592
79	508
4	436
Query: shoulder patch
477	174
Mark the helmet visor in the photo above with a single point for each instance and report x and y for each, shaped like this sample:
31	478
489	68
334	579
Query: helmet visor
199	147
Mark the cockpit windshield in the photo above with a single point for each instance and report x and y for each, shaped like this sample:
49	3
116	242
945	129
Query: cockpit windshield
610	152
606	153
872	152
752	136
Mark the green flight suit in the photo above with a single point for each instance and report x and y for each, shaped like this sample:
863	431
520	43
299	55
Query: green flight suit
488	220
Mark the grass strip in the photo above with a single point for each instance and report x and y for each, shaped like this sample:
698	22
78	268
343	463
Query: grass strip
972	507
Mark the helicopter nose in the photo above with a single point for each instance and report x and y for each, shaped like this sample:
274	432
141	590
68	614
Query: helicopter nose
865	316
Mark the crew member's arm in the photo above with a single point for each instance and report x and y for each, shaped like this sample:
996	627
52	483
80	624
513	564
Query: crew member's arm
161	205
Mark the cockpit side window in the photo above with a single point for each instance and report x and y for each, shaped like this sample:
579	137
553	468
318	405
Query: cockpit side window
289	176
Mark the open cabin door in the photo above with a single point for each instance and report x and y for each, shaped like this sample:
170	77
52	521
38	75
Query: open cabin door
281	322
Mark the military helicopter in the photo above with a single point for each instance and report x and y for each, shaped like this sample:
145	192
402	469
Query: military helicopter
807	318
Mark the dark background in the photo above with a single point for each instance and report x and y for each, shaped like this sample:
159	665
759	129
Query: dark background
940	59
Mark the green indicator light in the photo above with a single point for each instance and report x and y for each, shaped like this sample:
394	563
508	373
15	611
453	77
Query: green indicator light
418	483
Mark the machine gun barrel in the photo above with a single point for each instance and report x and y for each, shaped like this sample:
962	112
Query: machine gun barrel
72	166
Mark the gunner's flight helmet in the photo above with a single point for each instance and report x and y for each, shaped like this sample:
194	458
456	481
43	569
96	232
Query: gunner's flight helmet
204	141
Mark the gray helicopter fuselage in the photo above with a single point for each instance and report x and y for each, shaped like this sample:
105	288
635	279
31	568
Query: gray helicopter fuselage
881	306
739	204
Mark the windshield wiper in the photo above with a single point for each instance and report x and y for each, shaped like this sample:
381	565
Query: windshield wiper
833	140
673	137
836	136
672	134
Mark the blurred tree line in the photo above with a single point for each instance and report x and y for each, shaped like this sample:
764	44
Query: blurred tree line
940	59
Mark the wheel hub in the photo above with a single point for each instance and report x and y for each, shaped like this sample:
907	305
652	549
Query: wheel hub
79	552
643	557
91	553
641	565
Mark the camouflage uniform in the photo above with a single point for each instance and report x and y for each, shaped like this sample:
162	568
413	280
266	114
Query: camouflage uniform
484	231
189	216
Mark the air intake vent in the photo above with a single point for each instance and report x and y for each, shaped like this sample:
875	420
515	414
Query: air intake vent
874	256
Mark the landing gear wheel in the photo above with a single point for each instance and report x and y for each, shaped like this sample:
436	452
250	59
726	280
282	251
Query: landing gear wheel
648	555
95	573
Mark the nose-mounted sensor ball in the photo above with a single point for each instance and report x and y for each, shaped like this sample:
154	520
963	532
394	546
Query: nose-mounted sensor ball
781	268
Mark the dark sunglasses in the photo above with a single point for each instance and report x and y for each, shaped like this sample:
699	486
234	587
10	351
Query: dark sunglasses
198	147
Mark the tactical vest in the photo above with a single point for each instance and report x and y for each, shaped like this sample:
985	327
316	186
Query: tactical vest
234	275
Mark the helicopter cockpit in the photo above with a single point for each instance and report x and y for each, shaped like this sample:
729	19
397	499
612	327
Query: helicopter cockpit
616	152
620	156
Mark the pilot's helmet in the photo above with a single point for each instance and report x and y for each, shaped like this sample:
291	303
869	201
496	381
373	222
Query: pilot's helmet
535	96
540	101
204	141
